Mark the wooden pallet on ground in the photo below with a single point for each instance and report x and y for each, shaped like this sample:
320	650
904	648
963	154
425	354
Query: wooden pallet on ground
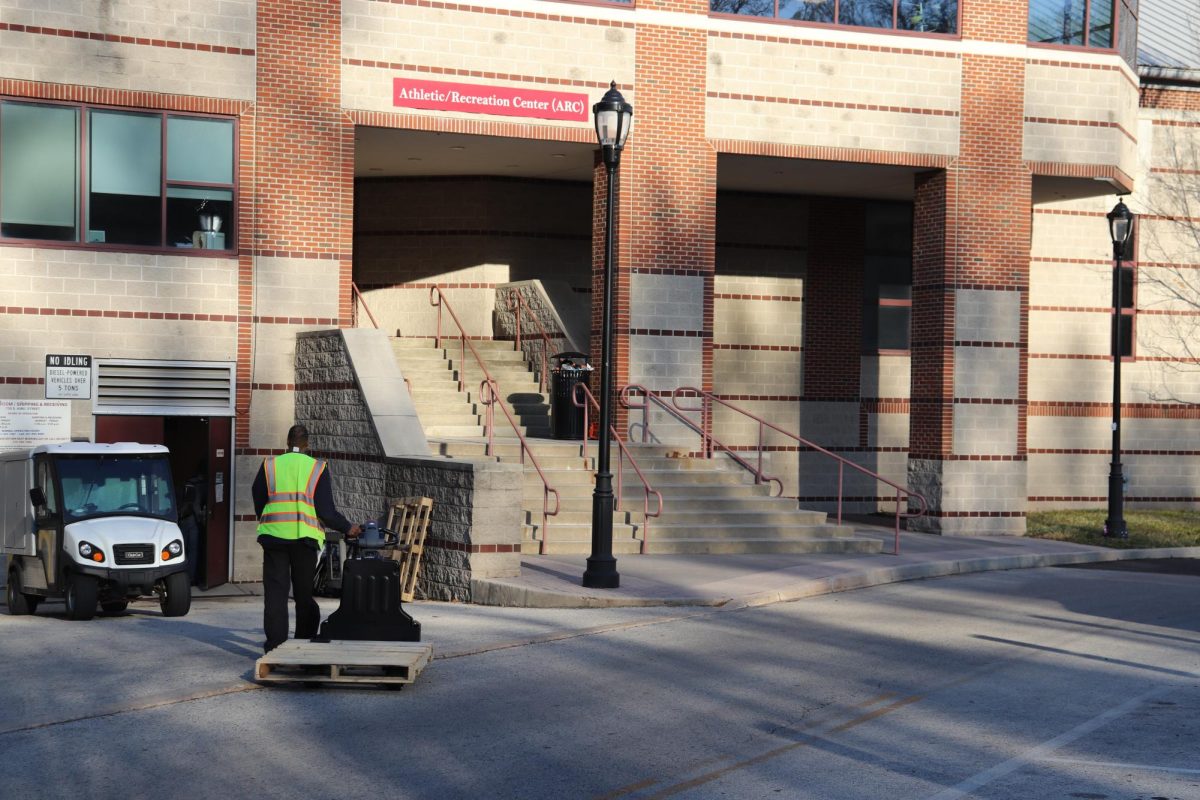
409	518
344	662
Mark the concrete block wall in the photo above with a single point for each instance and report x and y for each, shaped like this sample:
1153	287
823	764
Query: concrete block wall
171	47
522	43
1070	369
832	89
758	322
1080	109
475	527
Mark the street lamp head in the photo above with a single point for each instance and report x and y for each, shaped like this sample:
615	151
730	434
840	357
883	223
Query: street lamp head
614	120
1120	224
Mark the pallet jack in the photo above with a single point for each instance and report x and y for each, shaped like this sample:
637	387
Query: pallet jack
370	590
366	639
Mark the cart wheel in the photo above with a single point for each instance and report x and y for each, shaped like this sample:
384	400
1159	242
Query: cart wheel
114	607
176	600
81	596
18	601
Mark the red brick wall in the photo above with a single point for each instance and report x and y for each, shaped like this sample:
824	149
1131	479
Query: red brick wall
669	173
303	149
1160	97
833	287
972	228
995	21
932	331
300	130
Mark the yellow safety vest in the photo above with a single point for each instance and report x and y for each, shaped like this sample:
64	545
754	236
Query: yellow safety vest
291	511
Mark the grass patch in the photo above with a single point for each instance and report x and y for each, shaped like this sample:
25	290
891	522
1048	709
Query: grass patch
1161	528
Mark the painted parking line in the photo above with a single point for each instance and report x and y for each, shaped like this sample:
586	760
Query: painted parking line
1042	751
1123	765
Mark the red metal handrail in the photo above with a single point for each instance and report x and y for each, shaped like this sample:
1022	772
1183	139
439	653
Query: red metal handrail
490	398
904	495
516	304
358	295
589	400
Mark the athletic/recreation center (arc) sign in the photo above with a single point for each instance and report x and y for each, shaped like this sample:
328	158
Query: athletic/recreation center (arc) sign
474	99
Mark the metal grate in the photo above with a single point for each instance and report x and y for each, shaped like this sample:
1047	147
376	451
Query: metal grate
193	388
133	553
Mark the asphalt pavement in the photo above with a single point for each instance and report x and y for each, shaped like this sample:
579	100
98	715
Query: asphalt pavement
756	580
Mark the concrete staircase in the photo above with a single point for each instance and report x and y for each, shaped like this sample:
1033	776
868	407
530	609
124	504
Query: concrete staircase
709	506
445	412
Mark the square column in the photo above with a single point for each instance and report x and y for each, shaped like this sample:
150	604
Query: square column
971	237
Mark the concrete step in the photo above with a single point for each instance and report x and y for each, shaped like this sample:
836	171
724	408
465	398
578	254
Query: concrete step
658	479
728	518
576	539
666	529
411	342
511	450
747	546
678	494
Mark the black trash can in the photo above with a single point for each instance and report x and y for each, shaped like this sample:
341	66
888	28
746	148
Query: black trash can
566	418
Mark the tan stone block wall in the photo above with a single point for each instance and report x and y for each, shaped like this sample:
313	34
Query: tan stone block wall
113	281
1081	88
666	302
834	85
887	430
738	321
296	287
758	372
170	61
462	43
986	372
984	430
886	376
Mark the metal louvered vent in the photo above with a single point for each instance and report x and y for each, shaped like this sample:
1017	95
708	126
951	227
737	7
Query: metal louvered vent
178	388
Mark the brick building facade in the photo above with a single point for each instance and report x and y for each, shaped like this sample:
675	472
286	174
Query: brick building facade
794	197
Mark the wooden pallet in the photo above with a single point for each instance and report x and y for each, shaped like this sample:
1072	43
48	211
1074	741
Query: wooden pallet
409	517
344	662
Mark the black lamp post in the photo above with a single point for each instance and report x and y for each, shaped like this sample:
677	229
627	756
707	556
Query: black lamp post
1120	227
614	118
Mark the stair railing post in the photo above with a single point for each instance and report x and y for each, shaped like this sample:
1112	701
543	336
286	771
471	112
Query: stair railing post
487	396
462	361
896	528
841	472
620	482
708	426
758	477
518	319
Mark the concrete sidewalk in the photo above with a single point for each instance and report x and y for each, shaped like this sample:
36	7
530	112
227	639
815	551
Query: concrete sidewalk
752	580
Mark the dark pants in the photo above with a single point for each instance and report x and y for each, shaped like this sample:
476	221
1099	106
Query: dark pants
288	563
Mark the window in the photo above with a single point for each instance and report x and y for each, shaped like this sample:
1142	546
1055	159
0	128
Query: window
1085	23
115	177
926	16
45	481
887	284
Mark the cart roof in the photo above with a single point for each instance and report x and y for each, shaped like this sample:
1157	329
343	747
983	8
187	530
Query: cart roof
90	449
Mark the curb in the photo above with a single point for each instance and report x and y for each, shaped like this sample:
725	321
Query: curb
503	593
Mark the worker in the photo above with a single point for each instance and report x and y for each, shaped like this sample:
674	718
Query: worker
293	496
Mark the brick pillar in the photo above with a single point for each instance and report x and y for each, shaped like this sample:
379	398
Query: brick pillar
667	213
970	300
833	286
296	223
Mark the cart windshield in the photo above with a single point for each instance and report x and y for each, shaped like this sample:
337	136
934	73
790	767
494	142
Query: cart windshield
108	485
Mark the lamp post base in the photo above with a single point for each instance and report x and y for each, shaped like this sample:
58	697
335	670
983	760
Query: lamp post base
1115	524
601	573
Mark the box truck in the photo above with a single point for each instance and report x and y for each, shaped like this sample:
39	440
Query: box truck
94	524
